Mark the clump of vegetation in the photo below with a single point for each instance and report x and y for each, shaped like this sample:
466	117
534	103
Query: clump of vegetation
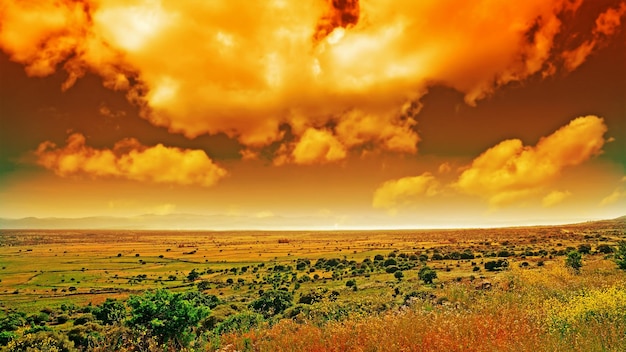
427	275
620	255
574	260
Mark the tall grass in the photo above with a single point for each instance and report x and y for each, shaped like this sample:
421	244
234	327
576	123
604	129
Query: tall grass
551	310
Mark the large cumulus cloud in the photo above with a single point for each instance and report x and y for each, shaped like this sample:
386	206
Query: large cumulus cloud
291	73
130	160
509	171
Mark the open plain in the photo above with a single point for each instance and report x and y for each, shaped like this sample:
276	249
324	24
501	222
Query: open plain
349	277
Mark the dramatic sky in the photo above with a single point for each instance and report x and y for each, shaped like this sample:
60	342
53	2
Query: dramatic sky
325	113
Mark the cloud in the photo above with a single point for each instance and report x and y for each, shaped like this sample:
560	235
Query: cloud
130	160
606	24
253	70
609	21
555	197
510	170
315	147
615	196
401	192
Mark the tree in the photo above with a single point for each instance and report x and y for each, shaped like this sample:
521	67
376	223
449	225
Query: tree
493	265
168	316
584	249
193	275
620	255
427	274
574	260
110	311
398	275
272	302
203	285
604	248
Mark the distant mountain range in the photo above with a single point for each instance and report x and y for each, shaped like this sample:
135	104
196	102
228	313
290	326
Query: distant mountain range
172	222
224	222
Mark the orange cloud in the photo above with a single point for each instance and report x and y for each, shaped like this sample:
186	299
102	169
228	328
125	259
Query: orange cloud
315	147
401	192
608	21
252	70
616	195
340	14
130	160
555	197
606	25
510	170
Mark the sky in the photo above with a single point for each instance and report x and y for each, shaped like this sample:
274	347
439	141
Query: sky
315	113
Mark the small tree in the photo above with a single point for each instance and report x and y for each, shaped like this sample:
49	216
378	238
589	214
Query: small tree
203	285
427	275
272	302
574	260
193	275
169	316
110	311
620	255
398	275
584	249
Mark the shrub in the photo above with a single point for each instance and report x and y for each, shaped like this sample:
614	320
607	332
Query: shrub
110	311
6	337
85	336
605	249
62	319
602	305
193	275
620	255
169	316
313	296
390	262
203	285
584	249
391	269
574	260
41	341
239	323
84	319
493	265
427	275
39	318
272	302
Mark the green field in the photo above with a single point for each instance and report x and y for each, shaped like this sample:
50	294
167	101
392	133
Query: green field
353	274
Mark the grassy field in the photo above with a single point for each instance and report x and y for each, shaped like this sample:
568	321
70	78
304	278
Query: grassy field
43	270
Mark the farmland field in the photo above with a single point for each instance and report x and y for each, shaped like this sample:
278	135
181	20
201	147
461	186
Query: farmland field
353	276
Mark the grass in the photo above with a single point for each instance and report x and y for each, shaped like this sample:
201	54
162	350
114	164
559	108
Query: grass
536	303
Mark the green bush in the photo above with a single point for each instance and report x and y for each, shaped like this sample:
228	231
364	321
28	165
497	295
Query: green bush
574	260
239	323
272	302
620	255
6	337
427	275
110	311
168	316
44	341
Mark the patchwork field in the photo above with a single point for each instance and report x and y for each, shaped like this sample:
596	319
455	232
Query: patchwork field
347	278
